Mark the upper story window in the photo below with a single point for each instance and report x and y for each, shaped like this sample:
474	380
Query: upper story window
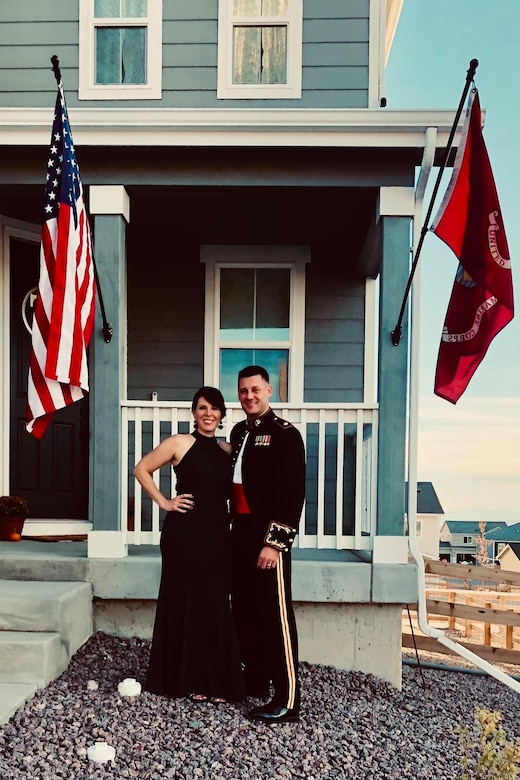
120	49
468	540
260	48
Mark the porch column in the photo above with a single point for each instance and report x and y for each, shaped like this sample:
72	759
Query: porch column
396	208
109	206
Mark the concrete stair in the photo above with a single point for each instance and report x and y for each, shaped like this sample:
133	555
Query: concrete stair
42	624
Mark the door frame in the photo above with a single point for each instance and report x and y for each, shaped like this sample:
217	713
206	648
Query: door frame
9	228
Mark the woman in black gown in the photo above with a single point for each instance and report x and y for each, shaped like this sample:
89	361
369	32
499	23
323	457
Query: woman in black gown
194	648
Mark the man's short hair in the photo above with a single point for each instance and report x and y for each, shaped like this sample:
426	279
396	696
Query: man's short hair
253	371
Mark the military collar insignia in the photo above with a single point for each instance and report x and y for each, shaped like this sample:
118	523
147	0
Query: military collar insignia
251	424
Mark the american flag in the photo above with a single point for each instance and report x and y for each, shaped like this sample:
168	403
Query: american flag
65	304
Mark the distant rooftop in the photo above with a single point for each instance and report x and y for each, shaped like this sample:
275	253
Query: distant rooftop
472	527
506	533
427	501
514	546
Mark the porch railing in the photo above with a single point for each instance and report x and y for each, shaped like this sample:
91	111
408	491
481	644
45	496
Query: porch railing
341	451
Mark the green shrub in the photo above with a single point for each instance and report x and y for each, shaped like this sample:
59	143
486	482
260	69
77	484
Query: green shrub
486	753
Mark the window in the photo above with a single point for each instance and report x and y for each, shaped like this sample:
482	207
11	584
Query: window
254	325
260	48
468	540
255	315
120	49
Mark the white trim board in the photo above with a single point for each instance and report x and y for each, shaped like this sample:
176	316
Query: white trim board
357	128
36	527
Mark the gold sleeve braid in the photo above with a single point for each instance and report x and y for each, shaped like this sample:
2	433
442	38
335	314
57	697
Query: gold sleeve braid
280	536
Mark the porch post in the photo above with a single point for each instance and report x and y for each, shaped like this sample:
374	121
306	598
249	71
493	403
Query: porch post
396	208
110	207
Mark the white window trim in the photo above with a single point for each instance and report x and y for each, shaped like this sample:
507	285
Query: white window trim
88	90
292	89
293	257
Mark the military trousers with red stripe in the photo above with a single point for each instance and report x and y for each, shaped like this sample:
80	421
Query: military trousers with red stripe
264	616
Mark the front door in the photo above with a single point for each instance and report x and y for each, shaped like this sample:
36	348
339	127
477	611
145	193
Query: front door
50	473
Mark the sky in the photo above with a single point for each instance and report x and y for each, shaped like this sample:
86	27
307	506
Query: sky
470	451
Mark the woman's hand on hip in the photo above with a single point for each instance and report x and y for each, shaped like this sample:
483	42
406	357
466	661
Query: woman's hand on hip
181	503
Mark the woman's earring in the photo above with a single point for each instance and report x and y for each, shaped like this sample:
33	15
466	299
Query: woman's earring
195	425
220	425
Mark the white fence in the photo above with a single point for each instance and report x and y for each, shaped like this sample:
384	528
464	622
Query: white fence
341	448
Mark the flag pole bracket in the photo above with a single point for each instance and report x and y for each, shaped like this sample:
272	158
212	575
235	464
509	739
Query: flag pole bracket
396	335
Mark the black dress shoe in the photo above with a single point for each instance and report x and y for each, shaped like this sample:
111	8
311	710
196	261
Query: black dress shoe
273	713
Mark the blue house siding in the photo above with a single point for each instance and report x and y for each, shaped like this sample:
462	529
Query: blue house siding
30	33
335	55
334	337
165	321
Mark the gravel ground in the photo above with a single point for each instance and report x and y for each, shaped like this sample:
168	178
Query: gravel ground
352	726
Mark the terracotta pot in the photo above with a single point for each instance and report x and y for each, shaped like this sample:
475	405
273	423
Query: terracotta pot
11	529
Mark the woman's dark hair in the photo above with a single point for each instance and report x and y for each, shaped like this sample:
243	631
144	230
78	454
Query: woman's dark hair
213	396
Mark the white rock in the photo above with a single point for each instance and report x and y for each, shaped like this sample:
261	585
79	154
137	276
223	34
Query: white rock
129	687
101	752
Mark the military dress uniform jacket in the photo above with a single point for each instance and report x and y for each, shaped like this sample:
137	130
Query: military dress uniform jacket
273	475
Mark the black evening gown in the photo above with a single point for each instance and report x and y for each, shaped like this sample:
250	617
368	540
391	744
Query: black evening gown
194	646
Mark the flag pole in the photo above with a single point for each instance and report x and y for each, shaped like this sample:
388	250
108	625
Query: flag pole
396	333
107	328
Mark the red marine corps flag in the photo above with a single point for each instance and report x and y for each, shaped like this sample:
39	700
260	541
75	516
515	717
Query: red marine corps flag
469	221
64	308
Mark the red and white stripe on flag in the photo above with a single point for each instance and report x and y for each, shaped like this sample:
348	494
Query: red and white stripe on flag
65	305
469	221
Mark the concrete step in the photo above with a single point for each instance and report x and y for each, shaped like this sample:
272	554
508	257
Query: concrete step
44	561
64	608
42	624
30	657
12	696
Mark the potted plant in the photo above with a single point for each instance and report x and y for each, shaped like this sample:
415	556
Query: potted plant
13	511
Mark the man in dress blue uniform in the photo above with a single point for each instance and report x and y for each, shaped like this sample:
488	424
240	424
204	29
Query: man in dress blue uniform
268	496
